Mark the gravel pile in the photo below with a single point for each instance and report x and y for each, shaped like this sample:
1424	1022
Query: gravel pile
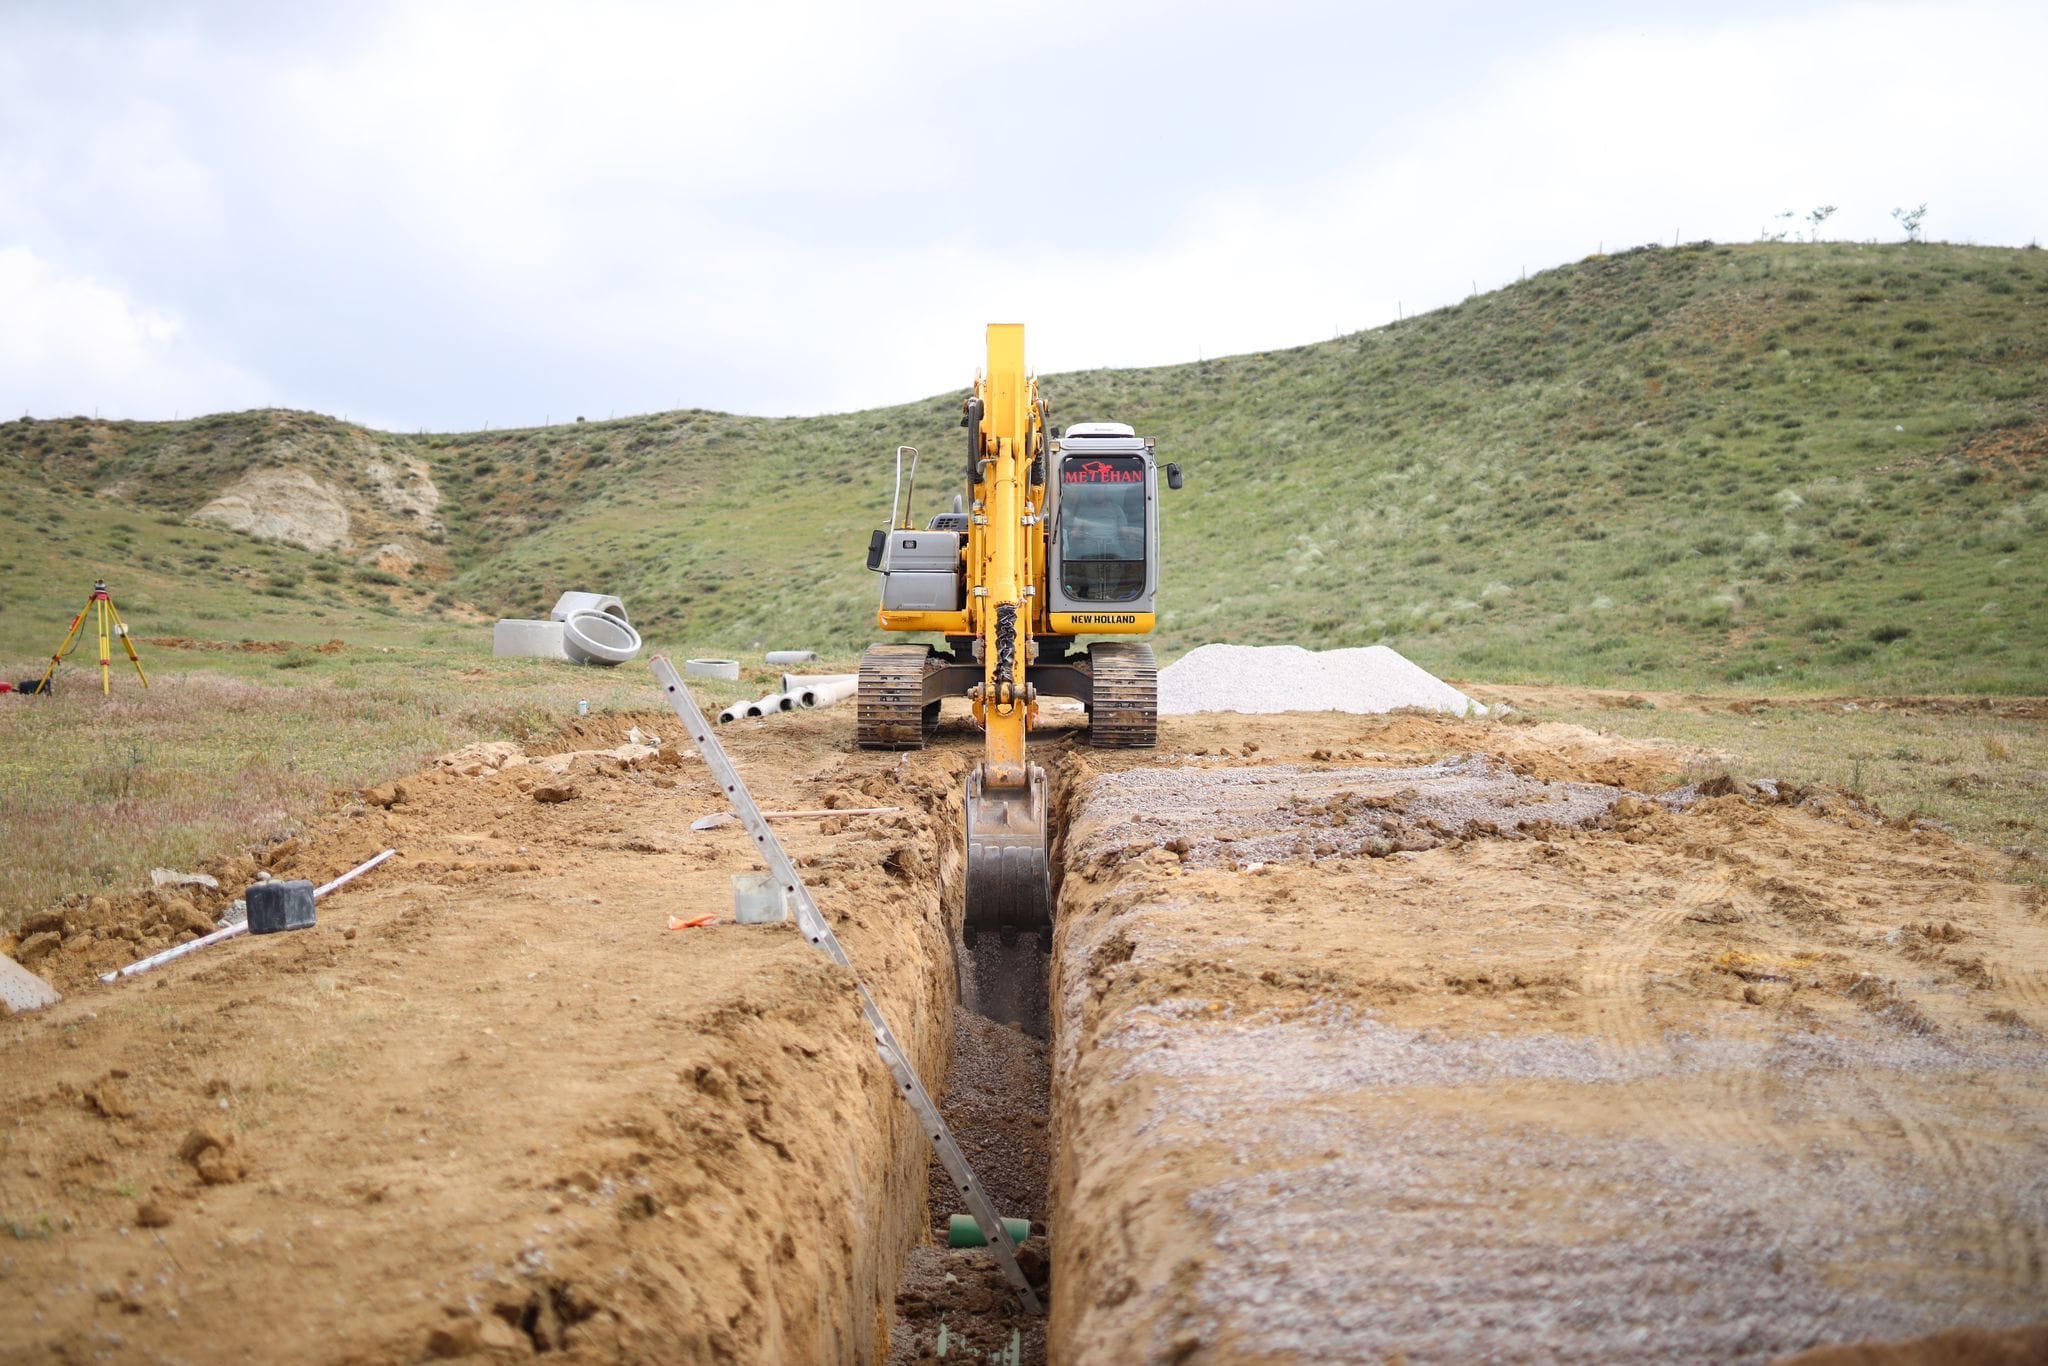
1275	678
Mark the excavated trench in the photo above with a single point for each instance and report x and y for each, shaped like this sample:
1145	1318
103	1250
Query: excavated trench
953	1302
1364	1038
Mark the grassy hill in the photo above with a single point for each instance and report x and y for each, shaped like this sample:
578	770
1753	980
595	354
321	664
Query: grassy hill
1767	466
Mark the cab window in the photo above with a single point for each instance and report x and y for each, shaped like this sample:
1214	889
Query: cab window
1102	528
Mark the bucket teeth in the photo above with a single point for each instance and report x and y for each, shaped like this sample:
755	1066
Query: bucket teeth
1009	875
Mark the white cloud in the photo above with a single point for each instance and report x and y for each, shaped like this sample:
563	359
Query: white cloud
74	345
454	213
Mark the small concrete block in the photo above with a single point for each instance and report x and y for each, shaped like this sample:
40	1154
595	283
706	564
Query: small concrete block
758	900
21	989
275	906
529	640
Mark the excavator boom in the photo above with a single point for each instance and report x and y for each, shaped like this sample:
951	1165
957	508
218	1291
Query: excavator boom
1008	869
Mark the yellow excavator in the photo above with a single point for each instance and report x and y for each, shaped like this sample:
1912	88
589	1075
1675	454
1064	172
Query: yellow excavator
1056	536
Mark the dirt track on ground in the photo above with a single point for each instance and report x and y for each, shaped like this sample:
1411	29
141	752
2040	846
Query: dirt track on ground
1371	1035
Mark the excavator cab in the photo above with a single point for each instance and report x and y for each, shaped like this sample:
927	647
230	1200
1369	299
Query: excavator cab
1104	543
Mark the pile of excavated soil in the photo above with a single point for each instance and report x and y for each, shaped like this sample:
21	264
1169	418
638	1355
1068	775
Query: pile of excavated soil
1438	1041
1275	678
491	1102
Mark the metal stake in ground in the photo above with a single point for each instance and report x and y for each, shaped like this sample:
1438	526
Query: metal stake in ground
812	922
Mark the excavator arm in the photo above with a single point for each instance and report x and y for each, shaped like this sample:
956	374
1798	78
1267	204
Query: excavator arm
1008	868
998	582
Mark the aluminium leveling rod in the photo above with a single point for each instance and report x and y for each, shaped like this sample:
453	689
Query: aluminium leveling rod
812	922
227	932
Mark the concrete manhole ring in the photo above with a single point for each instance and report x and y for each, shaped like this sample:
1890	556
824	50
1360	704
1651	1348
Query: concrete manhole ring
593	637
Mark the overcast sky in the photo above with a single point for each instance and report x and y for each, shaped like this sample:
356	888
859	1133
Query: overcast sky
447	215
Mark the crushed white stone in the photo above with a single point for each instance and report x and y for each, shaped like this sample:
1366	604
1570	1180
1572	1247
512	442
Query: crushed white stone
1259	679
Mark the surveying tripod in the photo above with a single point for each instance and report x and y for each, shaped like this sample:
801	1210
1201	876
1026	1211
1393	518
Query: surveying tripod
100	606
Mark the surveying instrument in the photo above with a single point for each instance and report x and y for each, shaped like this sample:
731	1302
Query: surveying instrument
100	607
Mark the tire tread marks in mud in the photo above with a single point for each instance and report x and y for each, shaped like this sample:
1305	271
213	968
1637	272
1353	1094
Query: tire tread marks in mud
1618	981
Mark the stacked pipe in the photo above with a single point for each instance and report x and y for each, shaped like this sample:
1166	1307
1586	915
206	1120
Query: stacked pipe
798	690
820	690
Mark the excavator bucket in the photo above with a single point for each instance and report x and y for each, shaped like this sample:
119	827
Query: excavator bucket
1009	873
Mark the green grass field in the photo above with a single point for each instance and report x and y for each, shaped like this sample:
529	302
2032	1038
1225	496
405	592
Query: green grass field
1980	776
1775	469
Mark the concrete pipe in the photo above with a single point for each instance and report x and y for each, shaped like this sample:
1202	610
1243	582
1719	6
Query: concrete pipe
727	669
825	694
791	656
732	713
599	638
798	682
767	706
569	604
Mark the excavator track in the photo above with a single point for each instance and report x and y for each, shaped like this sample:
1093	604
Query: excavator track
1125	711
890	711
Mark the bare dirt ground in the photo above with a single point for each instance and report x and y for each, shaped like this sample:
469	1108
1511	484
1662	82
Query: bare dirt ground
492	1103
1372	1038
1407	1039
